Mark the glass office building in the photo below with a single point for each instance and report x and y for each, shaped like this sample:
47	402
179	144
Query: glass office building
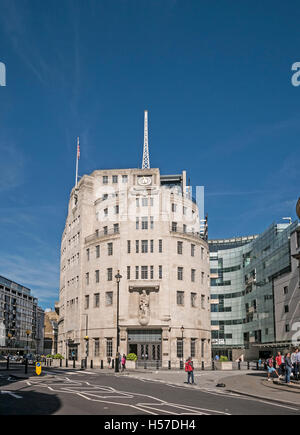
242	290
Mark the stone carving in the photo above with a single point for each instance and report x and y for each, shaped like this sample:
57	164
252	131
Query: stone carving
298	208
144	309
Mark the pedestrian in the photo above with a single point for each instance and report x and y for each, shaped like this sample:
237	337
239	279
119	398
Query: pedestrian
123	362
288	368
280	363
297	363
217	357
293	360
189	368
270	368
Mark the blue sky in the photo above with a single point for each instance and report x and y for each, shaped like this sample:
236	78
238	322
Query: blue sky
215	77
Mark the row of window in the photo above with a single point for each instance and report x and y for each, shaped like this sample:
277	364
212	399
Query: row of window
193	299
115	179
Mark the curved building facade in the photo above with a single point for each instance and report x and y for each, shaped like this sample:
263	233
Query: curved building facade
145	227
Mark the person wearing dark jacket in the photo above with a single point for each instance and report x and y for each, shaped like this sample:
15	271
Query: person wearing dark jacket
288	368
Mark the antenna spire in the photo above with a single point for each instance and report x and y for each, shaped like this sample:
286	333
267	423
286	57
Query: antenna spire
146	160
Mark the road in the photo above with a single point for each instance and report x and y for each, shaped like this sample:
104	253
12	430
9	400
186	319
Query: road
76	392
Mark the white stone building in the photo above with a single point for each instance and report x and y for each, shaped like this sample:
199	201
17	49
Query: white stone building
146	226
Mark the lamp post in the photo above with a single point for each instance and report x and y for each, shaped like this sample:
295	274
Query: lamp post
118	279
27	348
181	362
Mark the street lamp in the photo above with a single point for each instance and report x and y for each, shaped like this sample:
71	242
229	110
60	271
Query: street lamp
118	279
181	362
27	333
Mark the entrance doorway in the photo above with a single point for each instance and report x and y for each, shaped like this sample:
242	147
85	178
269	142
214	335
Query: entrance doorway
146	344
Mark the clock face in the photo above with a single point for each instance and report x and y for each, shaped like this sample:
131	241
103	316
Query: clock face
144	181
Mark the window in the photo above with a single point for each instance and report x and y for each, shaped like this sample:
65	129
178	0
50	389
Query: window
97	274
114	178
109	350
87	278
202	253
193	275
144	223
180	298
193	300
137	223
105	211
151	246
179	346
180	273
109	298
136	272
88	254
286	308
104	196
151	272
202	347
109	274
137	201
151	222
137	244
124	178
285	290
97	251
287	328
193	347
160	272
173	207
86	301
192	250
179	247
184	228
174	226
116	228
203	302
96	347
109	249
160	246
105	230
202	277
128	246
128	272
117	209
184	210
105	179
96	300
144	202
144	272
144	246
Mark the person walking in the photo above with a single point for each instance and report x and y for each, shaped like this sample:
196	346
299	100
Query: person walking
123	362
270	368
297	363
288	368
189	368
280	363
293	360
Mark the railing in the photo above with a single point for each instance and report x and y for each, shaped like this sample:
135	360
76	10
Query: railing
101	234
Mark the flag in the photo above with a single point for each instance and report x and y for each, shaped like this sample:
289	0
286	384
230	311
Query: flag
78	149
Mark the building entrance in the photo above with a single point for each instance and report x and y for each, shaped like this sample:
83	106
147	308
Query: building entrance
146	344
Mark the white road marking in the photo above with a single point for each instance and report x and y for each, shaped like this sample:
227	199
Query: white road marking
11	394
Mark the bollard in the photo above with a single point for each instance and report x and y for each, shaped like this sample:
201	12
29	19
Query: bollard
202	365
157	365
113	364
7	363
169	365
248	365
26	366
257	366
91	364
213	365
60	363
181	365
50	362
239	365
101	364
74	363
67	362
82	363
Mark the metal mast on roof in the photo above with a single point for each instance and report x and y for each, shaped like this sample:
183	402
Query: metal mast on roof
146	159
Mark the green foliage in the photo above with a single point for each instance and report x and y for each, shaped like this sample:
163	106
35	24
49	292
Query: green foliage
131	357
56	356
223	358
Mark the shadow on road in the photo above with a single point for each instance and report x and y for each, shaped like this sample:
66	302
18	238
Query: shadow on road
28	403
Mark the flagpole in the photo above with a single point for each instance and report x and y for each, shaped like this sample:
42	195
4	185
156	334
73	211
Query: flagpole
77	158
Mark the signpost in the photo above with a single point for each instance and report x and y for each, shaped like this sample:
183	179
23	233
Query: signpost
38	368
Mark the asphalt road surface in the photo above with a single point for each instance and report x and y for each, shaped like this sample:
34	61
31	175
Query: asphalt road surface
75	392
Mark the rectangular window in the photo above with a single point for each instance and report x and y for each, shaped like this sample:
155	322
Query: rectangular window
202	253
286	308
179	247
105	230
151	272
109	274
151	246
287	328
109	298
180	298
202	348
88	254
124	178
136	272
117	209
151	222
128	246
144	223
105	179
160	272
144	202
87	278
128	272
116	228
97	275
96	300
110	249
137	223
115	179
109	349
105	211
179	346
192	250
137	201
194	300
174	227
144	272
180	273
160	246
137	244
144	246
97	251
173	207
184	228
184	210
86	301
96	347
203	302
193	347
193	275
285	290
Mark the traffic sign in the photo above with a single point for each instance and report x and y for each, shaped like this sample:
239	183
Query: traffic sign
38	368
